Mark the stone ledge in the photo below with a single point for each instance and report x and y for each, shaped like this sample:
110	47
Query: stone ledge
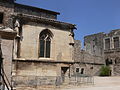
42	60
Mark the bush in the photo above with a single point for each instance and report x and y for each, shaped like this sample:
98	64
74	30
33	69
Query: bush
105	71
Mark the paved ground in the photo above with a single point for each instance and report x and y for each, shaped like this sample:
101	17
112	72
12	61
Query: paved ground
97	88
101	83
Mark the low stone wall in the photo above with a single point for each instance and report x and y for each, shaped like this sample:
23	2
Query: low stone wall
33	81
49	83
89	68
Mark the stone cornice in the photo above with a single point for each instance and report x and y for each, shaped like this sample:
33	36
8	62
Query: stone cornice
7	34
36	8
52	22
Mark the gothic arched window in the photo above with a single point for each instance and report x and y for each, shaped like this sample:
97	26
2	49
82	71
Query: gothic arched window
45	43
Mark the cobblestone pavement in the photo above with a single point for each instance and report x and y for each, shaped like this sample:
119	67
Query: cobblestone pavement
101	83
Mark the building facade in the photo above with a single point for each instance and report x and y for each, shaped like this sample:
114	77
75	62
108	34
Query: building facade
86	63
40	49
37	49
107	46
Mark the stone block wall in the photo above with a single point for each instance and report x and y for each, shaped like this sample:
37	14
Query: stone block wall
33	68
89	58
33	81
94	44
83	56
77	50
7	9
7	48
60	48
89	69
87	61
34	73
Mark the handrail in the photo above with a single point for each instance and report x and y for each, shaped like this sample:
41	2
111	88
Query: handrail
5	79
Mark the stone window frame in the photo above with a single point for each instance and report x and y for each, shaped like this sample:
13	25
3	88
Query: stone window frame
113	41
45	51
104	42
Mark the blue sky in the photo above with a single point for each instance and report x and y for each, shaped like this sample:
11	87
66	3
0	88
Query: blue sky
90	16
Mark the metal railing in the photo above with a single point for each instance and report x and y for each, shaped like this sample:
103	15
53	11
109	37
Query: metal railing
81	79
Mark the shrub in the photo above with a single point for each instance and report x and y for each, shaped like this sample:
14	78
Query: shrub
105	71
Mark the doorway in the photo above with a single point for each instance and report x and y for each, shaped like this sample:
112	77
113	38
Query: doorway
63	73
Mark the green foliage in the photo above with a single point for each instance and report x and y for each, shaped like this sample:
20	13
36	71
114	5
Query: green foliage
105	71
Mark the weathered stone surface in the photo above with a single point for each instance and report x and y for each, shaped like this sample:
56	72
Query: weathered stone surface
19	8
7	47
110	49
28	68
7	9
60	48
87	61
94	44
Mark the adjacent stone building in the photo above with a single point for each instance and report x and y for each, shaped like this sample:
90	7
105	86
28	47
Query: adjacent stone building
85	62
107	46
111	51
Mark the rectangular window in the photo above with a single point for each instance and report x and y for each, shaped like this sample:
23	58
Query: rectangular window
42	44
116	42
48	49
107	43
1	18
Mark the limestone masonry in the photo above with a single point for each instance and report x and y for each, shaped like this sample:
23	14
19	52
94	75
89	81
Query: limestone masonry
36	49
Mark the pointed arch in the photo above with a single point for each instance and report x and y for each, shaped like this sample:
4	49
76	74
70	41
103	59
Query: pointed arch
45	43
